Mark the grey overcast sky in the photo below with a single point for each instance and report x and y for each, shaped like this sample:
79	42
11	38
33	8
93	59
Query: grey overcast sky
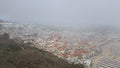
63	12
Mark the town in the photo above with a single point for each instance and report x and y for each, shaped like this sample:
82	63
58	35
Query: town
85	47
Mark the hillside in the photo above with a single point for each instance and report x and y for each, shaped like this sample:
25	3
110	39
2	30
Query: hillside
15	54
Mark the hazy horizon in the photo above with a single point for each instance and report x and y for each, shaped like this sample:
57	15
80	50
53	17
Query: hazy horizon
62	12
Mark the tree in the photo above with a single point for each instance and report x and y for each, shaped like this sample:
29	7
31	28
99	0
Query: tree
5	36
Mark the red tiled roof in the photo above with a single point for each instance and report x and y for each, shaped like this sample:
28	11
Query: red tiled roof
65	55
80	52
61	48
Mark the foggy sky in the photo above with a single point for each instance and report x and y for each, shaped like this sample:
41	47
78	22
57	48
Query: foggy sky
62	12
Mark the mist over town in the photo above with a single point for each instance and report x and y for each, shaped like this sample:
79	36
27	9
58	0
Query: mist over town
59	34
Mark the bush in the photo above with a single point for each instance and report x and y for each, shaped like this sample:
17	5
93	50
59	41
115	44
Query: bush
5	36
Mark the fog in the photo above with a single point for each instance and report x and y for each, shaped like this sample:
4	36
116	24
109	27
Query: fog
62	12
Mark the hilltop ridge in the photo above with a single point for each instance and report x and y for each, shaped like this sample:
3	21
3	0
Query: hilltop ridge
15	54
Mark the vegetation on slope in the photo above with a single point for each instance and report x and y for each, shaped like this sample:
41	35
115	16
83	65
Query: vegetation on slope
14	54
